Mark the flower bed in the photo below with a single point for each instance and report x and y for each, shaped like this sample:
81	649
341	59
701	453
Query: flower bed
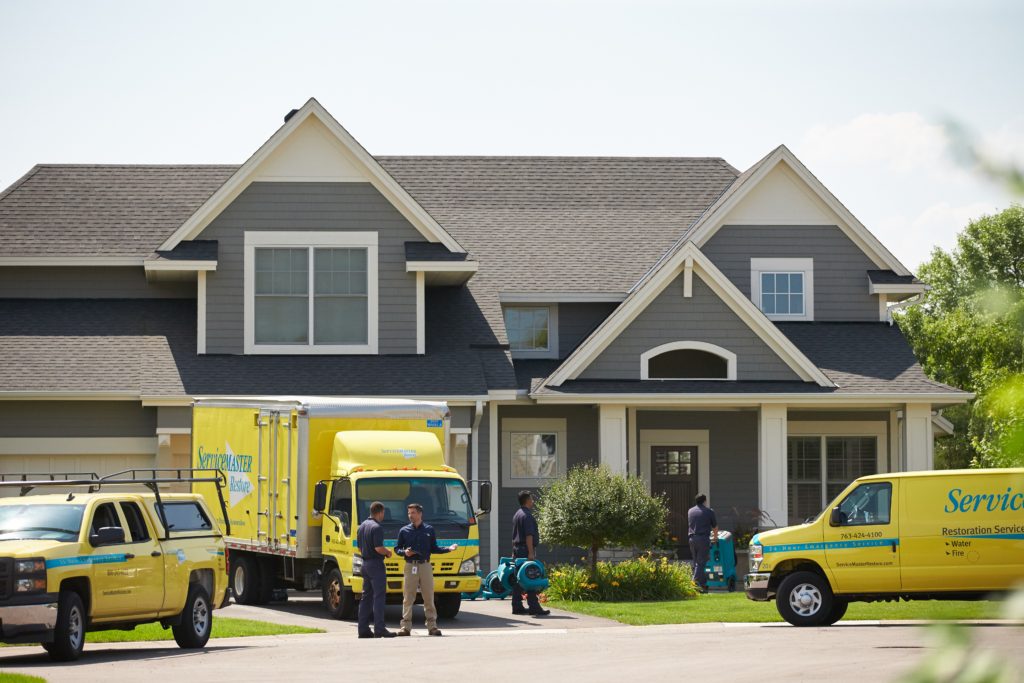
644	578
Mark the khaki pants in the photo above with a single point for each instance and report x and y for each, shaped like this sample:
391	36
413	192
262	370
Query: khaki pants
422	580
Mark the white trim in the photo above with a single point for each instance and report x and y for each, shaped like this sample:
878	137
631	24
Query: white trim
784	265
442	266
360	158
677	437
559	297
839	428
773	490
173	430
897	289
495	474
179	266
612	438
729	356
552	350
121	445
201	312
709	399
688	278
309	240
69	396
460	430
942	424
633	464
71	261
166	401
883	308
919	440
638	301
546	425
421	313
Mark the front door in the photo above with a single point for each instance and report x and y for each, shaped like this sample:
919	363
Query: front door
862	539
674	474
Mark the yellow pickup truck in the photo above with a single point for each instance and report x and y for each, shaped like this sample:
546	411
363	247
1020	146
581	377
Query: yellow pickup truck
106	558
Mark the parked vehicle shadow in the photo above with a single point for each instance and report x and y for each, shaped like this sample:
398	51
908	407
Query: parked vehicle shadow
100	654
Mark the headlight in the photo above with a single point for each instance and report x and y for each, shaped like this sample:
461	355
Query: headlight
30	566
469	566
357	564
30	585
756	555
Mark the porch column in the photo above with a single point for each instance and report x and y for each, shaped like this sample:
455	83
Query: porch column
771	463
612	432
918	440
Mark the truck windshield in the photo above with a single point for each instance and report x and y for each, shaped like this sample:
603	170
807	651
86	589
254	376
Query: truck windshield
43	522
446	503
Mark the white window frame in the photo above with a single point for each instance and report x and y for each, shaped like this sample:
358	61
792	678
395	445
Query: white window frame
758	266
552	350
310	240
729	356
515	425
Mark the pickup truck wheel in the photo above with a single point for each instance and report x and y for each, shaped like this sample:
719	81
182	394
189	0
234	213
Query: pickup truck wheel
69	633
196	619
805	599
246	581
339	600
447	605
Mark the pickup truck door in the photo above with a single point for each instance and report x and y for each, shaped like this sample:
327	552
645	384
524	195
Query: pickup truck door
148	563
862	539
121	580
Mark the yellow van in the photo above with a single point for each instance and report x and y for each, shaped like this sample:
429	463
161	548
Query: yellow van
954	534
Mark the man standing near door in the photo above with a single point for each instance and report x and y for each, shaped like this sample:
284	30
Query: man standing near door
703	526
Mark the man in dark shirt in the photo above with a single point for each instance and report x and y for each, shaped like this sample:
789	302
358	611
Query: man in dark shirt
525	539
703	527
416	542
370	538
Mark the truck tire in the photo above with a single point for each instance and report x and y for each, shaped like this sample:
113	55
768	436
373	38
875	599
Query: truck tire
805	599
447	604
193	630
339	600
69	633
246	580
267	580
838	611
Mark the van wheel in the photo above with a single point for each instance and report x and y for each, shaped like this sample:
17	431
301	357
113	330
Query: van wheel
838	611
339	600
448	605
69	633
246	581
805	599
196	619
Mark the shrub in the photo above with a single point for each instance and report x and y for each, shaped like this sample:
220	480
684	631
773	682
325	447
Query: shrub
634	580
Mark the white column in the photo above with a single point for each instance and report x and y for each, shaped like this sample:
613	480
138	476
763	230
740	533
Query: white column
421	313
494	430
631	451
612	433
771	461
918	440
201	312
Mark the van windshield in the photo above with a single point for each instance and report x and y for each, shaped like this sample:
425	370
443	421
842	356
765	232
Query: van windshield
446	503
40	522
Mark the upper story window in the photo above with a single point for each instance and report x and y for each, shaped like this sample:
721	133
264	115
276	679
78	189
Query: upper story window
783	288
688	360
532	331
310	292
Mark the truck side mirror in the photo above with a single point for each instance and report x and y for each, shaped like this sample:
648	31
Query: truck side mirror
485	497
838	517
320	496
107	535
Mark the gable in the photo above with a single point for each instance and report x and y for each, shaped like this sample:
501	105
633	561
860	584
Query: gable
780	198
703	317
311	153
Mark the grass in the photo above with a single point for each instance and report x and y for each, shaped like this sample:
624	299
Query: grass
223	627
19	678
736	608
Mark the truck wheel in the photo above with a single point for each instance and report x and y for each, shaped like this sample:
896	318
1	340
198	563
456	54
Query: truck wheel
245	580
196	619
447	604
69	633
266	592
805	599
838	611
339	600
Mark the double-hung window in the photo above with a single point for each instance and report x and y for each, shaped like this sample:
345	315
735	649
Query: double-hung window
310	292
532	331
783	288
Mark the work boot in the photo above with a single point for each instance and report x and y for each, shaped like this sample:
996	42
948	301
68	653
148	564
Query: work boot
384	634
434	631
403	632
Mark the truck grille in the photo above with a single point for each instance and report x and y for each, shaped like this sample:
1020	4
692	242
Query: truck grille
6	571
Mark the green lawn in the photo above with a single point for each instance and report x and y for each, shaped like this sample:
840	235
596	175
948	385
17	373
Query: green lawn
735	607
19	678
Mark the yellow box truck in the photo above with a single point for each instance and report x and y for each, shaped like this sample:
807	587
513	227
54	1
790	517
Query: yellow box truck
274	453
955	535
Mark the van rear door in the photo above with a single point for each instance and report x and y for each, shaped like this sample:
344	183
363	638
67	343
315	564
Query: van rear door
861	536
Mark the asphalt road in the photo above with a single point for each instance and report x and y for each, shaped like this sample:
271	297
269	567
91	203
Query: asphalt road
487	644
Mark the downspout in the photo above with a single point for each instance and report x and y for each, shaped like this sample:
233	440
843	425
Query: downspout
475	445
906	303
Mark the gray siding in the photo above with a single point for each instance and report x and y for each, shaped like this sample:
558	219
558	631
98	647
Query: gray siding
335	207
77	418
174	417
462	416
733	447
88	283
581	448
704	317
576	321
840	267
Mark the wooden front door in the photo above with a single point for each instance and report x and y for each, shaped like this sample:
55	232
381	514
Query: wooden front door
674	473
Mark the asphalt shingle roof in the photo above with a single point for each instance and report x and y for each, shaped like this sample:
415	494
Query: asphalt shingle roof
888	277
198	250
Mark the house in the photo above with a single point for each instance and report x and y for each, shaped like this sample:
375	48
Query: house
672	318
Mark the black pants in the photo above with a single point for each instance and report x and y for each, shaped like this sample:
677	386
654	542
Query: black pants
375	588
700	551
517	595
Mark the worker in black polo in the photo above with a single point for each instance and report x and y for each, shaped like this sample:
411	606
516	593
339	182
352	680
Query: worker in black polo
416	542
525	539
370	538
703	527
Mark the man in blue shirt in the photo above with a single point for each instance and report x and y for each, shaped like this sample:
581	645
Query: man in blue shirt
703	526
370	538
525	539
416	542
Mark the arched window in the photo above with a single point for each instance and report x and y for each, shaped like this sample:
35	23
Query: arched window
688	360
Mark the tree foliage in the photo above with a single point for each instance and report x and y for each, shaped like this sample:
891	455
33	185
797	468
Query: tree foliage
592	508
970	333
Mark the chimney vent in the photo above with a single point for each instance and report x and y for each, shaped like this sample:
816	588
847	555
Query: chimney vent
290	114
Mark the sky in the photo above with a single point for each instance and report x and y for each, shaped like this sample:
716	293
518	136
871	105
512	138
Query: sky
860	91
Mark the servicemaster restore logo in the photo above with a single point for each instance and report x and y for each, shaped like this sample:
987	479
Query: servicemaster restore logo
236	466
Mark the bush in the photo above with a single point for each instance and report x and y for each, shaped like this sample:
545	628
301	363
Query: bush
633	580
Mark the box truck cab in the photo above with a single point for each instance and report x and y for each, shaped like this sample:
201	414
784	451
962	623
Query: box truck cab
956	534
302	473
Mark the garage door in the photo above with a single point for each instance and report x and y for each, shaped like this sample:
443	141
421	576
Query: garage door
87	455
